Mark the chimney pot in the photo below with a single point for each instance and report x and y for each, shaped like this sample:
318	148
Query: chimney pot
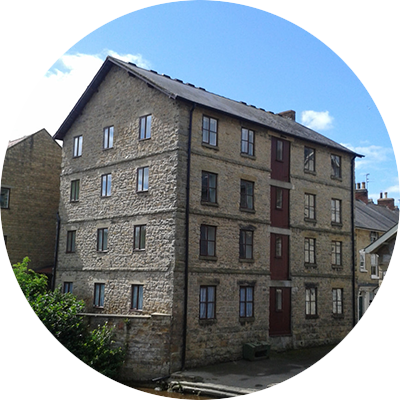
381	196
385	195
363	185
358	186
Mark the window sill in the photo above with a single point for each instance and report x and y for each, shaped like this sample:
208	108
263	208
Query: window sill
209	146
142	192
337	267
338	316
207	322
139	250
312	316
374	277
144	139
100	252
244	320
208	258
310	172
311	220
248	210
209	203
107	148
363	270
310	265
246	260
98	307
337	224
248	156
336	178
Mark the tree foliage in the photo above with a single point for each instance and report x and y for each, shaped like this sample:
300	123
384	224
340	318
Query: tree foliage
59	312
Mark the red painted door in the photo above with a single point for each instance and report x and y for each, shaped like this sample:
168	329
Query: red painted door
280	159
279	207
279	311
279	260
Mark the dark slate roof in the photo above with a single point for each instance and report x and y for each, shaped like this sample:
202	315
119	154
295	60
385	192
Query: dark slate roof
373	217
176	89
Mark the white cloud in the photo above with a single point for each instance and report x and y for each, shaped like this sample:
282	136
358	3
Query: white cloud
373	156
317	120
59	90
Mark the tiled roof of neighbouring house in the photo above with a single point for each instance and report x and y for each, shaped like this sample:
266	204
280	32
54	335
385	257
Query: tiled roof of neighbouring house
374	217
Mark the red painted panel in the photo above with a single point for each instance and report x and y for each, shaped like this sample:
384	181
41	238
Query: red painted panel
280	159
279	209
279	311
279	260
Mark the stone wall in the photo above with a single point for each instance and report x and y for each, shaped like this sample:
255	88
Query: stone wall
145	338
31	171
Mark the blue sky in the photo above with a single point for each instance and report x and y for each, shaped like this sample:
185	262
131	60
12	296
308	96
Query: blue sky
241	53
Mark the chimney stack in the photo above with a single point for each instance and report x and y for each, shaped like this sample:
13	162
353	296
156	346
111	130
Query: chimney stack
386	202
290	114
362	193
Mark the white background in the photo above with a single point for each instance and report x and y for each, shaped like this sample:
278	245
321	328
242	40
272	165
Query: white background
34	34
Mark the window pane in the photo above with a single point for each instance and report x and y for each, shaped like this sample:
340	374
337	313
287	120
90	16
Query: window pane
213	138
140	300
146	178
111	136
143	237
140	179
148	127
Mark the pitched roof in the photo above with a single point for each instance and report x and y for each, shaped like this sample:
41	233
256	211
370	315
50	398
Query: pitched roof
373	217
176	89
389	235
14	142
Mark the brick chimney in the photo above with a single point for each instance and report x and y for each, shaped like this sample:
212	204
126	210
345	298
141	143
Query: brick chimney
386	202
290	114
362	193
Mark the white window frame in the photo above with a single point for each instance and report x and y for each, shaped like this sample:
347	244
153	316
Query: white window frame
374	266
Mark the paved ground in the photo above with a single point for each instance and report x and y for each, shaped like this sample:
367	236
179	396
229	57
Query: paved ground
253	375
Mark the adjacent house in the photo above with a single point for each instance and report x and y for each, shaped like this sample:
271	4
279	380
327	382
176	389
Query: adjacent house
30	193
372	221
196	223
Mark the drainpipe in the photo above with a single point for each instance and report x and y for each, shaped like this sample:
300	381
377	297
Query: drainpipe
53	276
353	267
186	289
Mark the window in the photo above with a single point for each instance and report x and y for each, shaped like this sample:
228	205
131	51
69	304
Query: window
207	302
309	206
278	247
208	187
98	300
143	179
210	131
102	239
137	297
108	137
278	300
5	198
311	301
71	235
246	301
247	142
336	167
336	253
74	195
77	152
246	244
309	159
309	250
362	261
336	211
106	185
145	127
373	236
67	287
374	266
279	198
246	195
208	240
337	301
279	150
140	237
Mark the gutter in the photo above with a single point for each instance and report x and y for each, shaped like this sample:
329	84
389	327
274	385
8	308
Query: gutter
353	267
186	289
53	276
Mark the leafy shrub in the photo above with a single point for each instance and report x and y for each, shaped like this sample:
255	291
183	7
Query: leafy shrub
59	312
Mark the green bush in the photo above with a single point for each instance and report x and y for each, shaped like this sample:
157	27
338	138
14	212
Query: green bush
59	312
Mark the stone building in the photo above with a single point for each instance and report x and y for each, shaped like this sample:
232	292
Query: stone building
196	223
30	193
371	222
